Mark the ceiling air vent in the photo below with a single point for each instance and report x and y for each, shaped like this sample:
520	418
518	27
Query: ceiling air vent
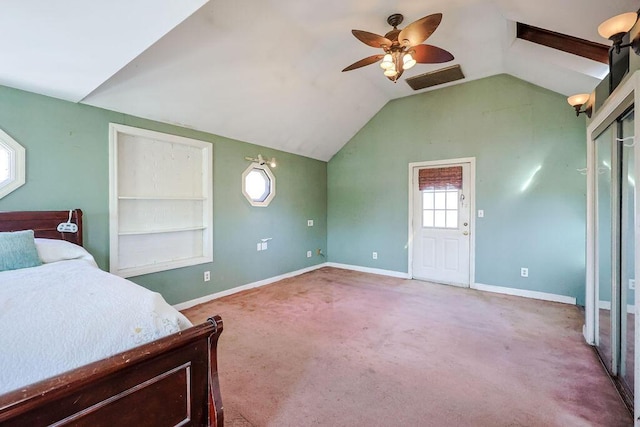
437	77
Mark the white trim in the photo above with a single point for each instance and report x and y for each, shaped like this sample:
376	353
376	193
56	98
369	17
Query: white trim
603	115
206	148
398	274
472	214
606	305
379	271
264	282
525	293
17	166
627	92
272	184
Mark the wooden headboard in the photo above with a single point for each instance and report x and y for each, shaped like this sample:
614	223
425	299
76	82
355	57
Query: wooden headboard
43	223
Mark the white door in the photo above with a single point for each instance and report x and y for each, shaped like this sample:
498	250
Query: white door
441	223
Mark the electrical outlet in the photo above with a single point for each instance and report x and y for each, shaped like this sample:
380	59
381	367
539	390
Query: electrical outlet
308	254
632	284
374	255
524	272
309	223
207	276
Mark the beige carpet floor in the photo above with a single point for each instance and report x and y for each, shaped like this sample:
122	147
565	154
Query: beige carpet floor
340	348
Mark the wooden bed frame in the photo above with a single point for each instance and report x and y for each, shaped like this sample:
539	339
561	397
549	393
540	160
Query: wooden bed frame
171	381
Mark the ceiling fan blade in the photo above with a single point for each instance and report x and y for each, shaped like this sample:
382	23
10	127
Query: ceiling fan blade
366	61
371	39
427	54
418	31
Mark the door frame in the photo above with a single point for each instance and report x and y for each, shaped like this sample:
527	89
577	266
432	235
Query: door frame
472	210
622	97
625	95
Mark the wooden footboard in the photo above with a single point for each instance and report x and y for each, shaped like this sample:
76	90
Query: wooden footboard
168	382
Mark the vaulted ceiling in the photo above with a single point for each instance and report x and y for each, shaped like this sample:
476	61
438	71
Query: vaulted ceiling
269	71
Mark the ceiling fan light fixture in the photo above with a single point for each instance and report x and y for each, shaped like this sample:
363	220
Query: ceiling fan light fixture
617	26
402	48
387	62
408	61
390	72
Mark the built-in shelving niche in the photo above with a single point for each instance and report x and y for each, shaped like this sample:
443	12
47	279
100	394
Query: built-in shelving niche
160	201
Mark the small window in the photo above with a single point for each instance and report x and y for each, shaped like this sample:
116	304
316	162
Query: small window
440	208
440	188
258	184
12	164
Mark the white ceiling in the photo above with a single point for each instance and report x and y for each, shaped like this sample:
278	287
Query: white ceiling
268	71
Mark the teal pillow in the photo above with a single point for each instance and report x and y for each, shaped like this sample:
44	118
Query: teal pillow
18	250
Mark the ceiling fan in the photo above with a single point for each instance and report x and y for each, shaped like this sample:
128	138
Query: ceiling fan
402	48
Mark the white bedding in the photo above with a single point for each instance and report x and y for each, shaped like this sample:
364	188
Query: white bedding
66	314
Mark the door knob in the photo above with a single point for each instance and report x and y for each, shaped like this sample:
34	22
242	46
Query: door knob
466	233
465	224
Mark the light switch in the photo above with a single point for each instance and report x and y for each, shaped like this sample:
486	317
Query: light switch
480	213
309	223
264	246
259	246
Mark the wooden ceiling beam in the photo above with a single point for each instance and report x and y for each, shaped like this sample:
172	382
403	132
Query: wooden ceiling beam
574	45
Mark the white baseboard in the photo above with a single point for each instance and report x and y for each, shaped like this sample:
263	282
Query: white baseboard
525	293
380	271
478	286
606	305
207	298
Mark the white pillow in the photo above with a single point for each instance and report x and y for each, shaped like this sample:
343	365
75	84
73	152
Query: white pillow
52	250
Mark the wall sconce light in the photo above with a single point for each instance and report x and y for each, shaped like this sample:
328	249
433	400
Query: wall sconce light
616	28
577	101
262	161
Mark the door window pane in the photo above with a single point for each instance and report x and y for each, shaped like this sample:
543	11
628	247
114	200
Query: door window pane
427	200
427	218
440	208
452	200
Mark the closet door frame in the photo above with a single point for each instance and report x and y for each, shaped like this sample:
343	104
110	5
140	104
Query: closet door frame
624	96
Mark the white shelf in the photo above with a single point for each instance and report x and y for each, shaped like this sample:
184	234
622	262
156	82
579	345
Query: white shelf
160	201
165	230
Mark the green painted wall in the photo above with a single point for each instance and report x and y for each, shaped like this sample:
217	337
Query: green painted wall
67	149
510	127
